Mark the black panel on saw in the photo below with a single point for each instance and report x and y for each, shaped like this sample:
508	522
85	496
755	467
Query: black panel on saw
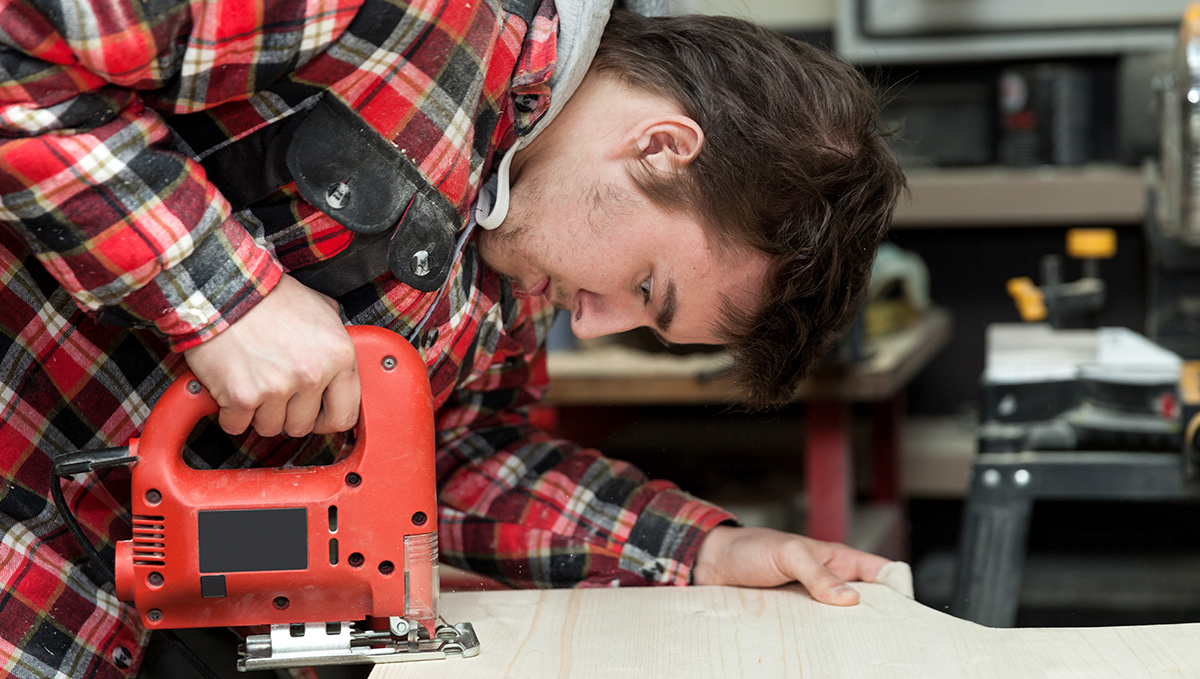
240	540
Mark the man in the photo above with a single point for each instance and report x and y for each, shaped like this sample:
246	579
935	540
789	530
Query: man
231	184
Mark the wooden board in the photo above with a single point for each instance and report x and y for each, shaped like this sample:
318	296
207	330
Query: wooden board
725	632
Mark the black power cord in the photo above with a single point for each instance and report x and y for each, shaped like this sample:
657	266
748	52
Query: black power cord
88	461
83	462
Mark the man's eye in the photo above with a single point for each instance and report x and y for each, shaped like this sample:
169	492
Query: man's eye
644	288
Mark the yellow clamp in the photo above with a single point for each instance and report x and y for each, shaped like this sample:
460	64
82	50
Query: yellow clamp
1030	301
1091	243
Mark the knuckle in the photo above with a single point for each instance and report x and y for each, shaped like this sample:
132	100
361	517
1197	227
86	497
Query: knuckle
343	354
241	399
308	377
796	551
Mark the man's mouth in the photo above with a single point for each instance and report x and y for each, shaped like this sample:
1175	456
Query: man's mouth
539	288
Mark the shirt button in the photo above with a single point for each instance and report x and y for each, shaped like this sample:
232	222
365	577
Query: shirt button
525	102
121	657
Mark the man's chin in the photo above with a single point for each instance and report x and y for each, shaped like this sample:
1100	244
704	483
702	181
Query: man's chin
490	246
488	257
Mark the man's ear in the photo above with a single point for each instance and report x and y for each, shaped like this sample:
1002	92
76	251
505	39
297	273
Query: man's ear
668	143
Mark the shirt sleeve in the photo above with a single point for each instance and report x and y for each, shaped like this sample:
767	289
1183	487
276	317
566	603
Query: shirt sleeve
90	176
530	510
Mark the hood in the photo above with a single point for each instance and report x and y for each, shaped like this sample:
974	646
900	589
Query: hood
580	25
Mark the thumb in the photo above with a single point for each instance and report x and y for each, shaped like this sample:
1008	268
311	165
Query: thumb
826	587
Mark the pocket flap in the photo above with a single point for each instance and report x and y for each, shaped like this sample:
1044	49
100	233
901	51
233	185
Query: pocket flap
347	170
343	167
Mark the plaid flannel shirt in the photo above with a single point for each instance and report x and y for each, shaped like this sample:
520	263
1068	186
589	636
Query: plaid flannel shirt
117	251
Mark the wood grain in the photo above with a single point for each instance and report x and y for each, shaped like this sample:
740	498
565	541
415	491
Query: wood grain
725	632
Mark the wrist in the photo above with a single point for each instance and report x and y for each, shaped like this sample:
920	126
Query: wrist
706	570
214	293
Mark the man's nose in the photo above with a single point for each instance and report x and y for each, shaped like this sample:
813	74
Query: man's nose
599	316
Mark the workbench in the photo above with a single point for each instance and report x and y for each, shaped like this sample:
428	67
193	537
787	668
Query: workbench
618	375
727	632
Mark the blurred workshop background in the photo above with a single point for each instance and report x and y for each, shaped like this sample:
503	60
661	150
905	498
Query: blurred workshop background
1018	389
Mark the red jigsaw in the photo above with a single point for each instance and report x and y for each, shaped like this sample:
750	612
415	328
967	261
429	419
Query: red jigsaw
307	550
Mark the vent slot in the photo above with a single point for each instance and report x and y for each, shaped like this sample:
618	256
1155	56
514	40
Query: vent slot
149	540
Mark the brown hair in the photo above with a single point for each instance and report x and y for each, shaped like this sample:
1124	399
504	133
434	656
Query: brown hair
794	165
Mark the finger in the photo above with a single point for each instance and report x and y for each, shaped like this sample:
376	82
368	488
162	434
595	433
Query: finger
270	416
236	410
862	566
848	563
821	583
301	414
828	588
341	404
234	420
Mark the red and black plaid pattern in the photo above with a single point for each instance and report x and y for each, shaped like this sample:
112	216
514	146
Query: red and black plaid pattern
89	173
92	192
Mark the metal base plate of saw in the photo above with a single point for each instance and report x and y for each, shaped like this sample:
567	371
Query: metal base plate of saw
317	644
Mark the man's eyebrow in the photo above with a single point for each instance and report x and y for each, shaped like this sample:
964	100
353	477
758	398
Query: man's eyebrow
667	314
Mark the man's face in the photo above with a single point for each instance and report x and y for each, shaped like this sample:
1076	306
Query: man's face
582	234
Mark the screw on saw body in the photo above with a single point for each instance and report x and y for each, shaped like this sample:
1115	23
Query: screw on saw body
153	497
389	363
194	387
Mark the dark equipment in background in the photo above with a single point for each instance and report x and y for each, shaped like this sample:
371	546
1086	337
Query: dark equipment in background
1173	212
1105	414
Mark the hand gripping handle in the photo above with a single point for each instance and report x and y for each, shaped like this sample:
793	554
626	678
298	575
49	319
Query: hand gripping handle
396	402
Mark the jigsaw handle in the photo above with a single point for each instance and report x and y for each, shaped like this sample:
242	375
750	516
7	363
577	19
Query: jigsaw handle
385	359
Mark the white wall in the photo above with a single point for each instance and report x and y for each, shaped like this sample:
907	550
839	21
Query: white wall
777	14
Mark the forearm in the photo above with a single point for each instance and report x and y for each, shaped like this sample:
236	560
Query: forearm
130	228
533	510
90	176
133	231
540	512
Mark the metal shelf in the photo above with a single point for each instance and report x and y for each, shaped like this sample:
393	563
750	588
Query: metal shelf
1090	195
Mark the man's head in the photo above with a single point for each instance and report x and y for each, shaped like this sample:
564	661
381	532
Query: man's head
714	181
582	233
793	166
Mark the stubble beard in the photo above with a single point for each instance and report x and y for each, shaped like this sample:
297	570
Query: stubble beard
559	297
502	243
511	241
